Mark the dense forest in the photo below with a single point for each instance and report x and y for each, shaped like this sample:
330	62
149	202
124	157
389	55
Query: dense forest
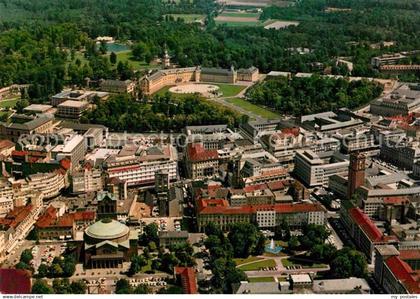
39	38
300	96
120	113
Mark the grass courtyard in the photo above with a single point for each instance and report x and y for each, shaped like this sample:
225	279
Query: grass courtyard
258	265
262	112
9	103
229	90
289	262
126	56
250	259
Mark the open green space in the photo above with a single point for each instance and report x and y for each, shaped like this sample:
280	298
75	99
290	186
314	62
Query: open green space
126	56
305	264
229	90
9	103
261	279
238	24
239	261
258	265
241	14
188	18
253	108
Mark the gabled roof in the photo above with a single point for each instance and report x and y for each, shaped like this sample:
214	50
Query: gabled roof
403	272
197	153
188	279
364	222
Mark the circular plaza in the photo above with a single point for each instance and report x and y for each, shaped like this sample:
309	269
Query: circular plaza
207	90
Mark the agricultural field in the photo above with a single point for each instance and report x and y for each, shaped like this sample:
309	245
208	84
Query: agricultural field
255	3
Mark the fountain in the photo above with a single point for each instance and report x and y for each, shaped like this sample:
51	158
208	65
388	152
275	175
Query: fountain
272	248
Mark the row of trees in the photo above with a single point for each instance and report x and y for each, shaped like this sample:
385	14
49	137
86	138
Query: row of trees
299	96
59	286
166	113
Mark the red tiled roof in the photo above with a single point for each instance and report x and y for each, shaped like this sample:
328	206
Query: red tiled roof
277	185
410	254
15	281
5	143
252	188
66	220
16	216
363	220
403	272
65	163
188	279
396	200
19	153
197	153
220	206
292	131
47	218
85	215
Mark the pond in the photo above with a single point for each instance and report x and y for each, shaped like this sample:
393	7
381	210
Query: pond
115	47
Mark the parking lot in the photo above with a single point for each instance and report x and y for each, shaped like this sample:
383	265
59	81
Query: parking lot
44	254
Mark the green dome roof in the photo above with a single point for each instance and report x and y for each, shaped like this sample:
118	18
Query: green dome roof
107	229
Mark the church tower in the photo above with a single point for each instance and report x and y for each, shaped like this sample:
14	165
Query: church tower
356	173
166	59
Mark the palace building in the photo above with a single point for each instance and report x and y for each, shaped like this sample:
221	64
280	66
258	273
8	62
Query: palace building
167	77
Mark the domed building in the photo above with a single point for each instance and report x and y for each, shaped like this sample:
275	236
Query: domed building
108	243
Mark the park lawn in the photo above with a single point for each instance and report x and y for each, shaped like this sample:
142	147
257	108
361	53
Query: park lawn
265	113
9	103
305	265
261	279
230	90
239	261
258	265
188	18
148	267
126	56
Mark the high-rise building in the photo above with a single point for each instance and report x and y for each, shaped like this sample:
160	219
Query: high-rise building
356	173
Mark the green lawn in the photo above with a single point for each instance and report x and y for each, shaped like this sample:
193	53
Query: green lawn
238	24
230	90
126	56
253	108
258	265
247	260
261	279
9	103
304	264
241	14
148	267
188	18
